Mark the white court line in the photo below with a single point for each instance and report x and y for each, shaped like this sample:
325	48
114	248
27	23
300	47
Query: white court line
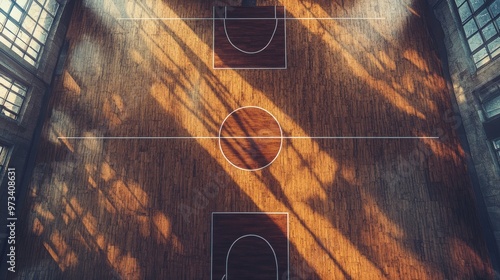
214	18
239	137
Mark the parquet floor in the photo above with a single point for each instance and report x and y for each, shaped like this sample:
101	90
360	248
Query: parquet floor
358	208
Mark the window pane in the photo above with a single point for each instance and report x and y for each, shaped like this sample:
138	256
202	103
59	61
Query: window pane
470	27
30	60
46	20
16	14
3	157
489	31
52	6
476	4
459	2
4	81
17	50
22	3
492	107
497	144
40	34
5	5
5	42
483	18
480	55
35	10
23	36
8	114
475	42
22	45
495	53
464	11
11	108
9	35
12	27
494	45
3	20
15	88
495	8
32	52
15	99
29	24
35	45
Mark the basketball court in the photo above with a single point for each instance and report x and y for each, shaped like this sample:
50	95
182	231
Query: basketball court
291	140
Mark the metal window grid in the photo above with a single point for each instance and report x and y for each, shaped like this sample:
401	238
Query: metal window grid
12	96
481	25
25	25
3	157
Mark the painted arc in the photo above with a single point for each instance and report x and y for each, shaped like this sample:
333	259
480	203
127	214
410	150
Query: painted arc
250	257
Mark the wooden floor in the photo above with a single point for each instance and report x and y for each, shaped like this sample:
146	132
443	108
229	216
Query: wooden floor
250	138
358	208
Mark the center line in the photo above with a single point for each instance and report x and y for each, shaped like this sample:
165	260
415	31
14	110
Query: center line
243	137
304	18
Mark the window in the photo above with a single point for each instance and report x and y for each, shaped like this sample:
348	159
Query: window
491	101
25	25
481	23
12	95
3	158
496	145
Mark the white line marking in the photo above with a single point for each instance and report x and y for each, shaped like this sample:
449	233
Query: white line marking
214	18
287	246
212	248
239	137
213	38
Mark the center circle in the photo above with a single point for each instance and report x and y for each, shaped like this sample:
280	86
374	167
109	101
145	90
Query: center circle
250	138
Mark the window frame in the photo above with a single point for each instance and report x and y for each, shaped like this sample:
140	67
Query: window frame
492	93
25	98
13	47
495	152
495	21
7	149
